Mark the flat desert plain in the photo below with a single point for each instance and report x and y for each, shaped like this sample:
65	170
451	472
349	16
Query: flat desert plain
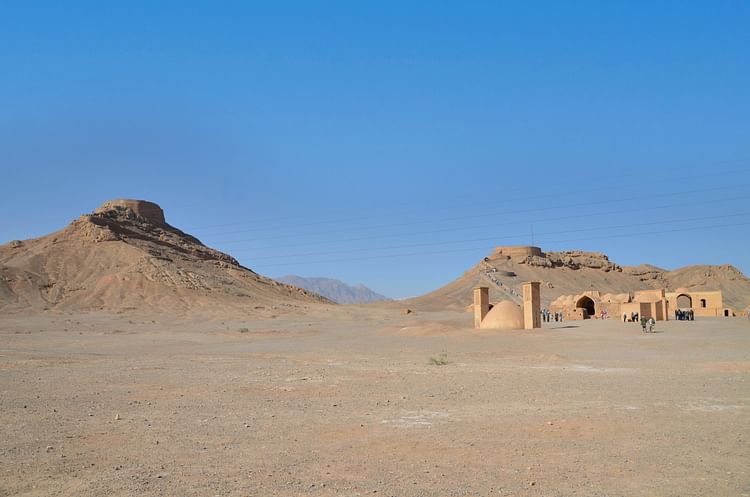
354	401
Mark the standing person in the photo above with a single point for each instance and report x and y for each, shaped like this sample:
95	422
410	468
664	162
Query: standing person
624	317
643	324
650	325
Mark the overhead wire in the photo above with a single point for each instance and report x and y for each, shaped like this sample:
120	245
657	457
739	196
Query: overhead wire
545	220
559	184
504	237
485	247
487	214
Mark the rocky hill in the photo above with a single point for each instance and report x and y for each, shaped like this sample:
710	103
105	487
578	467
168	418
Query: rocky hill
335	290
125	257
572	272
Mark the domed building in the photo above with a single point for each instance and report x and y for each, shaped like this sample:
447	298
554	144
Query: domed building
505	315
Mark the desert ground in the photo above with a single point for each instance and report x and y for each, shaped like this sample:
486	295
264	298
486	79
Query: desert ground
366	400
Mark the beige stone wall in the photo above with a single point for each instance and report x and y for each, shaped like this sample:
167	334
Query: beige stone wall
649	295
143	208
532	305
516	251
648	303
481	304
703	303
629	309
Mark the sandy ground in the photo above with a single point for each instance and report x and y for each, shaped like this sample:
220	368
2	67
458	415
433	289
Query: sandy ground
347	403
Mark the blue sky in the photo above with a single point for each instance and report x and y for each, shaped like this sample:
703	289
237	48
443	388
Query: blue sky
356	140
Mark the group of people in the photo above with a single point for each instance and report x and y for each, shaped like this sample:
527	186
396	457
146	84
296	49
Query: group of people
633	317
548	316
681	315
647	324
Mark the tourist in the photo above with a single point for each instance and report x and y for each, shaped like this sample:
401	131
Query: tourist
643	324
624	317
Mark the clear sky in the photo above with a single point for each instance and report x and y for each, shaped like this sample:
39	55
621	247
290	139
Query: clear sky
388	143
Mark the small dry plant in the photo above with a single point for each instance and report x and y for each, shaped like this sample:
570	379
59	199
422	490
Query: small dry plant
440	360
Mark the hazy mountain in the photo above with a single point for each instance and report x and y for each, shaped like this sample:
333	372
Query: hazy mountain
333	289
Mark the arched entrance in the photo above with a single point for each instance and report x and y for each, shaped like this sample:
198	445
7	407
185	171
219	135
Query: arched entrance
684	301
587	305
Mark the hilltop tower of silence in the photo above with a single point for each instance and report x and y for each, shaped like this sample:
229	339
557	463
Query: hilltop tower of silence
510	314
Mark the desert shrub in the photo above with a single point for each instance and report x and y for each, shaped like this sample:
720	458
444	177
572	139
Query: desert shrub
440	360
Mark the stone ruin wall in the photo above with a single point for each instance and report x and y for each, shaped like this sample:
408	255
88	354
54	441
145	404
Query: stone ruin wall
142	208
516	252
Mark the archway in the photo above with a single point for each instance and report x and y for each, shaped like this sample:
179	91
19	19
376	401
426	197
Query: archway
684	301
586	304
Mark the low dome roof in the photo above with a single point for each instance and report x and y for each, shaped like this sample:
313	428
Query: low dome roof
504	315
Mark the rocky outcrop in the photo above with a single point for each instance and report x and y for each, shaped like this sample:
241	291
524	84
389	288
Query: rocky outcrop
573	259
646	272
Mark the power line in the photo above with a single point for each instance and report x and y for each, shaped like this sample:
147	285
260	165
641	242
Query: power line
505	237
493	214
485	247
486	226
559	183
545	196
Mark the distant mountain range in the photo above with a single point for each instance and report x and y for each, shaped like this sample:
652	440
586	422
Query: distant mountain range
335	290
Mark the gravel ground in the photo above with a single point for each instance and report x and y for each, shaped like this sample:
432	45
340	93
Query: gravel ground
349	403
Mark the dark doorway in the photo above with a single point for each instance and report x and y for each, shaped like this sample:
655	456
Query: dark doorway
684	302
703	302
726	313
587	305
